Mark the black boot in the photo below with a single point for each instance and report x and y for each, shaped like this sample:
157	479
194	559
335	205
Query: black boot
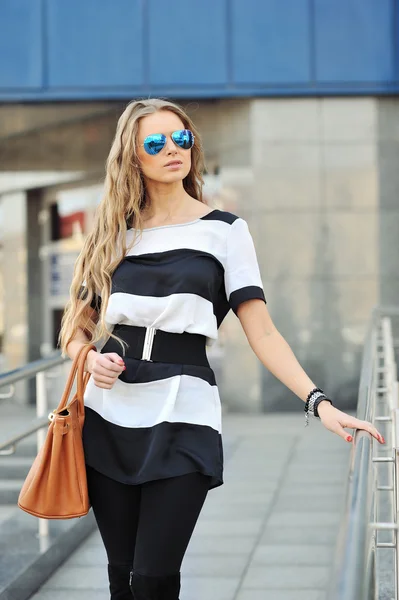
155	588
119	585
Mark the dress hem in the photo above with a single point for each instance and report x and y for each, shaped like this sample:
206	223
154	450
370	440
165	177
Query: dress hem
215	480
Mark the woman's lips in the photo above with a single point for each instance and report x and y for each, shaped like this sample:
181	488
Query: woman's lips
174	164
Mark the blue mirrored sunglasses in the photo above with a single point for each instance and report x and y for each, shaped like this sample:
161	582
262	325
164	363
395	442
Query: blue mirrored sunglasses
154	143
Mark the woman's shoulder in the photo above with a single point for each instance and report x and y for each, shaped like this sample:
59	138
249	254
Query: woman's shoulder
223	216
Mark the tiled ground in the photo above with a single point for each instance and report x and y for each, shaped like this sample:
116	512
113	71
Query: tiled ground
267	534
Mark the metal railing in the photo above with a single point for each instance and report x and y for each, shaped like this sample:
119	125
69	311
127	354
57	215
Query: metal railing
356	569
40	369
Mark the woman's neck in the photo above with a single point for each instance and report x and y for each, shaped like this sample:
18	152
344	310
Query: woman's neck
166	201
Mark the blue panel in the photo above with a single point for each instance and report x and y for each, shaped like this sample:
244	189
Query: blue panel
395	41
20	44
119	49
187	42
271	41
354	41
94	43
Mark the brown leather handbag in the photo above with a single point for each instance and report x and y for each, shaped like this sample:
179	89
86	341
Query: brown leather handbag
56	485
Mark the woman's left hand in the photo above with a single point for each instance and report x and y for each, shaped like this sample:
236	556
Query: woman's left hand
335	420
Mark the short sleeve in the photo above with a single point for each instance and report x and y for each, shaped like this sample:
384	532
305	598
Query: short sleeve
242	276
96	301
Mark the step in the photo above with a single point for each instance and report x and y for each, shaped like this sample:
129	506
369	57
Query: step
26	561
6	512
9	490
14	467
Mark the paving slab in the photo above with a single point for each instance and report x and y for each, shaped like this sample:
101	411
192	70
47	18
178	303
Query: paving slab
281	595
287	577
293	554
302	533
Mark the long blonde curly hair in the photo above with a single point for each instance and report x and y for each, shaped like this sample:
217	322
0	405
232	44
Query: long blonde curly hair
122	203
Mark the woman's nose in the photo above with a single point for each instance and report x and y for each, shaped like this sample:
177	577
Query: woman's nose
170	146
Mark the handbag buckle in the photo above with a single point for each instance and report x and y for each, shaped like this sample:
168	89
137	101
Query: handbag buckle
51	416
148	343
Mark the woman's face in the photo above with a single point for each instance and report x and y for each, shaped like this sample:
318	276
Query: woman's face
172	163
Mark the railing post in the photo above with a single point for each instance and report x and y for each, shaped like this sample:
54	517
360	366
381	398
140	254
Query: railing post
41	411
396	515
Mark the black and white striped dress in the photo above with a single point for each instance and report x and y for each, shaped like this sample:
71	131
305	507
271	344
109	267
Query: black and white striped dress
163	419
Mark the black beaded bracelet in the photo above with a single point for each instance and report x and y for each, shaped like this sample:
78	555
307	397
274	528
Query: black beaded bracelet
311	393
313	399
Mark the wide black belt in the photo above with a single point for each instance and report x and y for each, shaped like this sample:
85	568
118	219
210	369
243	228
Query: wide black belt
156	345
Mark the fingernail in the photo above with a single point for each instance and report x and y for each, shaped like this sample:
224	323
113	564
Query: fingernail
383	440
124	368
349	438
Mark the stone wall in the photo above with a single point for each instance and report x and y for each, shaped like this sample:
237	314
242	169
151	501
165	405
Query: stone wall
304	173
388	182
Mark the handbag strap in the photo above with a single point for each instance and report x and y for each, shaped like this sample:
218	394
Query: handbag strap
83	378
78	365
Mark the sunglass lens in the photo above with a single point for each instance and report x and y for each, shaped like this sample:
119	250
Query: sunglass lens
183	138
154	143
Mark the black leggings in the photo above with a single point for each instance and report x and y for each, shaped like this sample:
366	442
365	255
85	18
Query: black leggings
147	527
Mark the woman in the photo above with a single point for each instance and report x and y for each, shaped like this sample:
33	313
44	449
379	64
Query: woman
155	279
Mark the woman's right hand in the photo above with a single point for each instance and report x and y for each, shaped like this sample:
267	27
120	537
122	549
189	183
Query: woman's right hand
104	368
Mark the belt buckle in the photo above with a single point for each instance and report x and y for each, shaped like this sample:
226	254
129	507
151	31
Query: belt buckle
148	343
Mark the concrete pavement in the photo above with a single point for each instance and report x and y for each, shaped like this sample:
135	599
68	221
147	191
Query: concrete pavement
267	534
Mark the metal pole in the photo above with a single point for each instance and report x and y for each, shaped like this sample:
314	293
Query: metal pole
395	512
41	411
